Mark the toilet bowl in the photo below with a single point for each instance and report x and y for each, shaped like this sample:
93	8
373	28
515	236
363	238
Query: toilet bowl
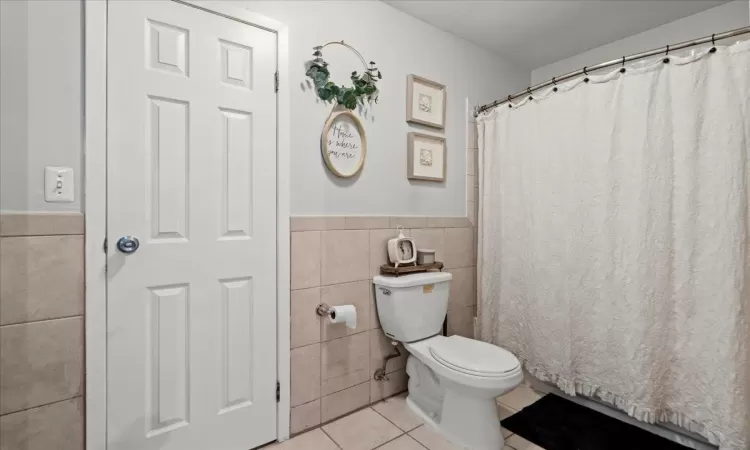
453	381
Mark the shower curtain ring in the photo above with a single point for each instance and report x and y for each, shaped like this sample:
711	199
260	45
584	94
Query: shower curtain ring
622	70
509	104
666	60
528	89
585	80
554	89
713	43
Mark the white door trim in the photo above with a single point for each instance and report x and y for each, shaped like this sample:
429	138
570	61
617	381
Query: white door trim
95	207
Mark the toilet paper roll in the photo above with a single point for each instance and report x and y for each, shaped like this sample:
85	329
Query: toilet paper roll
346	314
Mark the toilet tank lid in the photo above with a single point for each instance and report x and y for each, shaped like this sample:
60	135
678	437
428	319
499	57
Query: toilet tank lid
415	279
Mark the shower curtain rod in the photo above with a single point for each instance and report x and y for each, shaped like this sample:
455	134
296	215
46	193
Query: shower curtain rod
713	38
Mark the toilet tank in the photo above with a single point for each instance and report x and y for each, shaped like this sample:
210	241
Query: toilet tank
412	307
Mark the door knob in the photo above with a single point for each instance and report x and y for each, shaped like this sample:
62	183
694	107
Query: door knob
128	244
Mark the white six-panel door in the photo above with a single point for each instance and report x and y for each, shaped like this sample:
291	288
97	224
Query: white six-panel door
191	169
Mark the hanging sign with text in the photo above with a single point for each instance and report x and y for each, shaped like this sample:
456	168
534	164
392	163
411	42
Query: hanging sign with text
343	144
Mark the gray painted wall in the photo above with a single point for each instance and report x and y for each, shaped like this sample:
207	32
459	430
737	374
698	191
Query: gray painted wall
42	116
715	20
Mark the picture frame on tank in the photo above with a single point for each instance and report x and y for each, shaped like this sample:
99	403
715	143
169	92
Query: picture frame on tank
426	157
425	102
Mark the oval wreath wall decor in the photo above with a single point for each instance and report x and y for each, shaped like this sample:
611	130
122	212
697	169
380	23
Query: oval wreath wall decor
364	86
343	144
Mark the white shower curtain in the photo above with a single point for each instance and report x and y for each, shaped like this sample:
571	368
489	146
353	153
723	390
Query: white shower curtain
614	253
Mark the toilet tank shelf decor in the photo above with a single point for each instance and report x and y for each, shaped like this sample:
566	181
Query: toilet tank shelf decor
402	250
388	269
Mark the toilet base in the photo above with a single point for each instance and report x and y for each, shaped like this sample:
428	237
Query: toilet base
470	423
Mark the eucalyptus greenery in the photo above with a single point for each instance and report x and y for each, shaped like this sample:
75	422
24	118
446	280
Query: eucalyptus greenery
363	87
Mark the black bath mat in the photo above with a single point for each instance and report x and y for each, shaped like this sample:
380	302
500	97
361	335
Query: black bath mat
555	423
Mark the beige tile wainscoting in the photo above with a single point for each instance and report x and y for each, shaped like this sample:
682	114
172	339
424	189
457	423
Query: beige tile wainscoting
41	331
333	261
472	173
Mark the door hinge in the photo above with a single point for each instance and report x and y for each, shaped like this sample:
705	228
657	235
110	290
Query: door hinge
276	82
278	392
105	247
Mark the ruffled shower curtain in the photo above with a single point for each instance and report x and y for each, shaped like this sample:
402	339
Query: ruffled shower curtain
613	256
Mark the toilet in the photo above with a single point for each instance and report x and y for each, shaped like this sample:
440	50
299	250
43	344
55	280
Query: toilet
453	381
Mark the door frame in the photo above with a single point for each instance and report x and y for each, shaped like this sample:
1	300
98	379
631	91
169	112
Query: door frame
95	207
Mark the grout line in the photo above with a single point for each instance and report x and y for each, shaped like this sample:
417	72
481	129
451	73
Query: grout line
340	390
307	403
41	406
417	441
509	407
41	320
322	424
38	235
305	346
388	442
320	261
344	337
384	417
425	227
320	383
421	444
345	282
368	405
332	439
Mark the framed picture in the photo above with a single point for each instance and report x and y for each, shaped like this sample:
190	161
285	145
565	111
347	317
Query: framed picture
425	102
343	144
425	157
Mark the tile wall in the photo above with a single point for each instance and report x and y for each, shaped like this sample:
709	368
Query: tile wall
472	192
41	331
333	261
472	172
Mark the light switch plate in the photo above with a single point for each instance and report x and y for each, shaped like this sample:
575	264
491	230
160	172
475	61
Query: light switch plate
58	185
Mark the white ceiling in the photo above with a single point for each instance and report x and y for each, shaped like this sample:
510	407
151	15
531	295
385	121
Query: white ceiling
536	33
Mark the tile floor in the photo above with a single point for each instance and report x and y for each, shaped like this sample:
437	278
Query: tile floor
390	425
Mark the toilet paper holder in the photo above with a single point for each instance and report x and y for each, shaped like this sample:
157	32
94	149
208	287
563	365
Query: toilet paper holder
339	314
324	310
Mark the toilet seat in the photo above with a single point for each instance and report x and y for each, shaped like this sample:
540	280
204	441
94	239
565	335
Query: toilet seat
474	357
